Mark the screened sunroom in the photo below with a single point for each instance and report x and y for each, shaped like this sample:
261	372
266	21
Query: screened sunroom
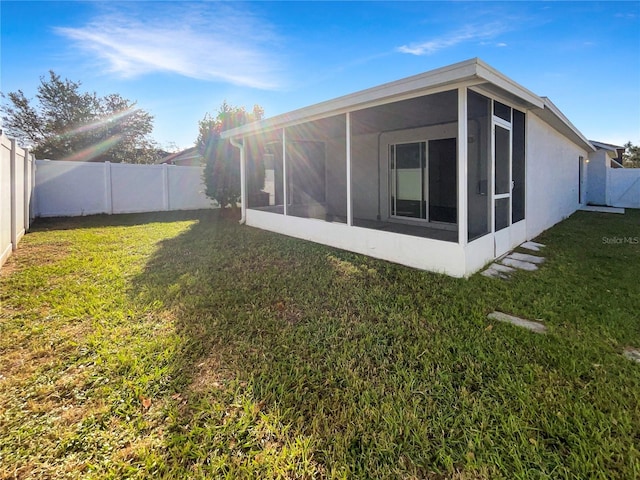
429	171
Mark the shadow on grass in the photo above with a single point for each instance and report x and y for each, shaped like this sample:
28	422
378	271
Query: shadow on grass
119	220
234	301
292	355
295	359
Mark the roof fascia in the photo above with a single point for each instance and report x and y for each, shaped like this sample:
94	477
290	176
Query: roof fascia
463	74
452	76
554	117
607	146
496	78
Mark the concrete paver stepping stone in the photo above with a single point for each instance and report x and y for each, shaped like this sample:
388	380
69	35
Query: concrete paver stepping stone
525	257
523	261
512	262
493	272
536	327
632	354
502	268
489	272
534	246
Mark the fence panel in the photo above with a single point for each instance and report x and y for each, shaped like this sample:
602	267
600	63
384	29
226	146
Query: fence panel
138	188
19	179
623	187
5	200
16	190
69	189
80	188
186	190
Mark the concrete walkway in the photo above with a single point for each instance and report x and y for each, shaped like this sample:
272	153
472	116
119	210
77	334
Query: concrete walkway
513	261
597	208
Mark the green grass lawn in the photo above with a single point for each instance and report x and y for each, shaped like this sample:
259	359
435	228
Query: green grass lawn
185	346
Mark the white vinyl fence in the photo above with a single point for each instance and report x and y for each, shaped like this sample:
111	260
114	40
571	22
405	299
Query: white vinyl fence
623	187
79	188
16	189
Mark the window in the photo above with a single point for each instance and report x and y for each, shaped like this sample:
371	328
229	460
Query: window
502	111
503	158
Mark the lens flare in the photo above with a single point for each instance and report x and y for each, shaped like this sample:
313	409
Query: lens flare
89	153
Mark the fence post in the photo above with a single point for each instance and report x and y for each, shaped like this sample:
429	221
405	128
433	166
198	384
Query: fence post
108	188
165	187
26	186
34	192
607	185
14	205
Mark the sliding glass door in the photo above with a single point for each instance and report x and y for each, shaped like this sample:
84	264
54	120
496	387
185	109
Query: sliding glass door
424	180
408	180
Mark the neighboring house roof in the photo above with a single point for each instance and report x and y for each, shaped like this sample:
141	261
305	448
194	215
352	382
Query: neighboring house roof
606	146
190	156
472	72
615	152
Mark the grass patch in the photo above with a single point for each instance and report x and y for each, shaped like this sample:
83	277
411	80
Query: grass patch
185	346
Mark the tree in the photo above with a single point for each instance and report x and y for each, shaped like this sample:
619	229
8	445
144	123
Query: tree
631	156
68	124
222	160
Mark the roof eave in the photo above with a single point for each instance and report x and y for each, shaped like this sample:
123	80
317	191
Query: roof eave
467	73
381	94
554	117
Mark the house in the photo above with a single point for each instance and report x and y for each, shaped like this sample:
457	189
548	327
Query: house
609	182
443	171
189	157
606	156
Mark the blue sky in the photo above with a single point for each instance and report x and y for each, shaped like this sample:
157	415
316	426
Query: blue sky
179	60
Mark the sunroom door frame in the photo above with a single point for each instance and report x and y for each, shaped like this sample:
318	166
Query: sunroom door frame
502	237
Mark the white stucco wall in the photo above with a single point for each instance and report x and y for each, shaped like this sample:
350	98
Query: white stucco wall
552	176
597	178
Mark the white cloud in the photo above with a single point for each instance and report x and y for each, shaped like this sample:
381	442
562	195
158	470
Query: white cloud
207	42
465	34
